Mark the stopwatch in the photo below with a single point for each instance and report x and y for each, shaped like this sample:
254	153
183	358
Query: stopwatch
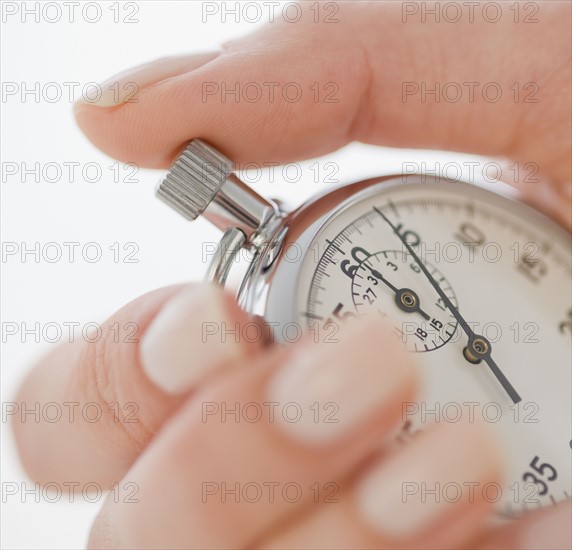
473	281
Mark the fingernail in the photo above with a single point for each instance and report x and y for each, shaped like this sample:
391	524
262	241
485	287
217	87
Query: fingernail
336	385
184	342
404	495
124	87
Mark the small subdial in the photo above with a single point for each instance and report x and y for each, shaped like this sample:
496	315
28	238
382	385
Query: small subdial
391	284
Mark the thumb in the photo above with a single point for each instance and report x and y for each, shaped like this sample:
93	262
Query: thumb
294	91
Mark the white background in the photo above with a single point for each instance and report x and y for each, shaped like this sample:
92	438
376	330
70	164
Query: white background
35	130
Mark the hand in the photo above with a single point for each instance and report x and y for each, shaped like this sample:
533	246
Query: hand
169	452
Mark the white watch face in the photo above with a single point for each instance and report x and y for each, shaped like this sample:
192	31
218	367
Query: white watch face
503	273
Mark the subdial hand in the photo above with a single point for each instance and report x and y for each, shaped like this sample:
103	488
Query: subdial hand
478	348
405	298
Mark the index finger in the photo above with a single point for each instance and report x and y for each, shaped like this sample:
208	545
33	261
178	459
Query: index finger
298	90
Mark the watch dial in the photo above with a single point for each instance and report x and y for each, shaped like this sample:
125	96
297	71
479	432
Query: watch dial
470	281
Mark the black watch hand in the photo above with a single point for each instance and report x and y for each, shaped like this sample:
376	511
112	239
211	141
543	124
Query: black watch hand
479	347
405	298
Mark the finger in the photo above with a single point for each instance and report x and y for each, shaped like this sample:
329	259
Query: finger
304	89
196	481
543	530
112	394
398	502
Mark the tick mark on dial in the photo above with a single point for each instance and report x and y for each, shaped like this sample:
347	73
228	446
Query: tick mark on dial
335	246
312	316
391	205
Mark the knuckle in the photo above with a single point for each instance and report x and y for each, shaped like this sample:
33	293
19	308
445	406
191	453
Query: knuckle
105	384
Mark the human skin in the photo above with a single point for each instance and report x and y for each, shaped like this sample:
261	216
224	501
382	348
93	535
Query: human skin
170	451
